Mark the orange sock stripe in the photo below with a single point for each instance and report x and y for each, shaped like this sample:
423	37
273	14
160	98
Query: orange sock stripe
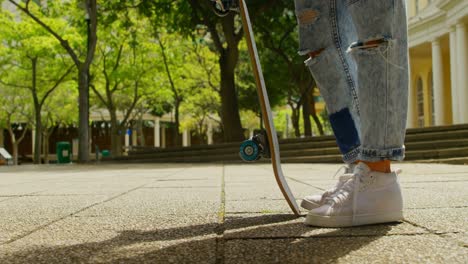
380	166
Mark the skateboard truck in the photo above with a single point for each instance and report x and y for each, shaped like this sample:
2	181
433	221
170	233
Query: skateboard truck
255	148
222	7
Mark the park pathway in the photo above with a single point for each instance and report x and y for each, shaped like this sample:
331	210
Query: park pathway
215	213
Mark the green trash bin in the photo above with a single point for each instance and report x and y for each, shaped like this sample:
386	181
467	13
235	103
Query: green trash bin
105	153
63	152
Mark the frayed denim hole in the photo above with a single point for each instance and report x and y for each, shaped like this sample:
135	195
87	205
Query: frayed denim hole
307	17
310	62
378	49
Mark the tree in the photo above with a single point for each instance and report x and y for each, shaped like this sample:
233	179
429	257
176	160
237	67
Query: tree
203	105
225	34
58	111
14	109
277	29
121	71
35	63
40	14
177	92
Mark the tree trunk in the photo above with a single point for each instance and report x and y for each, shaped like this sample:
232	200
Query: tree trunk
295	122
318	124
116	142
15	153
232	126
37	115
38	136
306	116
45	148
177	124
83	130
14	144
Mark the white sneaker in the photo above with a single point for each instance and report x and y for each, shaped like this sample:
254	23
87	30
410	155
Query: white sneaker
368	197
316	200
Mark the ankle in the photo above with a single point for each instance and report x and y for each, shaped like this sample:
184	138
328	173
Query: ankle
380	166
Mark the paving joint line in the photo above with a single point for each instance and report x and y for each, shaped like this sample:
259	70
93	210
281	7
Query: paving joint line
20	196
66	216
16	238
442	235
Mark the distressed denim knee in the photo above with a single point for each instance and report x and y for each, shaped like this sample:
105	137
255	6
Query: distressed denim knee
319	37
380	53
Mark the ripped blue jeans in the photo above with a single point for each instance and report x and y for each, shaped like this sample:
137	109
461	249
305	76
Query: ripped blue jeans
359	59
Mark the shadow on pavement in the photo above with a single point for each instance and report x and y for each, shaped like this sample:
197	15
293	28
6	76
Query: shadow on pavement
200	244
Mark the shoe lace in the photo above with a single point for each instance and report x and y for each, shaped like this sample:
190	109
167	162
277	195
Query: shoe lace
343	177
342	195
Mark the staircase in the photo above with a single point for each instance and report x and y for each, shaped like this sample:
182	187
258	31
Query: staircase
444	144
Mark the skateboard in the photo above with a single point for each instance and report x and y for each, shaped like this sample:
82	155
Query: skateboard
264	144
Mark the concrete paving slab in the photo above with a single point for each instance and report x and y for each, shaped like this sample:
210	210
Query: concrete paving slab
163	213
432	195
460	238
119	239
365	249
254	226
166	201
265	206
22	215
441	220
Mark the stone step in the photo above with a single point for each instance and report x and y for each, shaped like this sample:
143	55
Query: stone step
445	142
419	134
294	150
437	129
453	161
446	153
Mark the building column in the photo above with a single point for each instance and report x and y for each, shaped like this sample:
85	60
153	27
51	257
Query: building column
127	138
438	79
412	102
157	132
186	138
453	77
210	133
462	76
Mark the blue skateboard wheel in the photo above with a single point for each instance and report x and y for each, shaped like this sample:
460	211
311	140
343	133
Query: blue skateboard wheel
249	151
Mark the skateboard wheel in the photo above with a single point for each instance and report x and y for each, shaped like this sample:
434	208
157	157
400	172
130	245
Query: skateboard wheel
249	151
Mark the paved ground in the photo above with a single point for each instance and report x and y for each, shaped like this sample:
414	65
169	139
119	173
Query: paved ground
216	214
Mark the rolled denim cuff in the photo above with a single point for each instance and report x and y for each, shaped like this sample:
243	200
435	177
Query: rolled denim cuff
351	156
374	155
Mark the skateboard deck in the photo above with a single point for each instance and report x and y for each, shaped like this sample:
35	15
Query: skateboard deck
269	140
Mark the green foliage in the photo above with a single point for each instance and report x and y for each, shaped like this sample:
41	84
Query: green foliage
25	44
128	73
15	106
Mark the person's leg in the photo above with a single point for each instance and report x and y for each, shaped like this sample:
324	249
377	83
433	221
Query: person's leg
325	33
373	194
332	69
381	55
